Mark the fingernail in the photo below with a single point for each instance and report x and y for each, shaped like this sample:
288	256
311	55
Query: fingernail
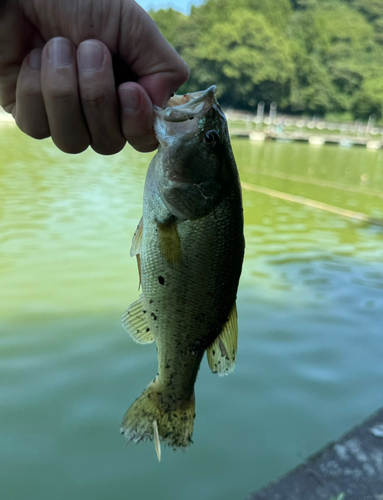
130	99
60	52
90	56
35	59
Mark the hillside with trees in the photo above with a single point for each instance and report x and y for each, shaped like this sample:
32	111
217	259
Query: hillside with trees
321	57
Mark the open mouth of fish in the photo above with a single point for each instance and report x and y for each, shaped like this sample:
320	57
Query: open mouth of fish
172	122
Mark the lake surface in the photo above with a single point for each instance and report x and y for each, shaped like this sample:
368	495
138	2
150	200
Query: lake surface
310	305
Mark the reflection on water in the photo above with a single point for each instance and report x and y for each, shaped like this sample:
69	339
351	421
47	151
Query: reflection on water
310	312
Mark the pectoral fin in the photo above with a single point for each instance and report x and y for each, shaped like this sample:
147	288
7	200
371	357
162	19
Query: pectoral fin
170	244
137	239
135	322
221	354
136	247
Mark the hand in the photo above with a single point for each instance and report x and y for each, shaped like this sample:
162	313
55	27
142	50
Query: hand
58	61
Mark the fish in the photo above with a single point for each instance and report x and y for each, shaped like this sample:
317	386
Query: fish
189	246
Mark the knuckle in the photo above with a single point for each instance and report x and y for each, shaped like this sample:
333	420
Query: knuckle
33	130
95	97
143	145
28	89
39	134
72	148
108	149
59	93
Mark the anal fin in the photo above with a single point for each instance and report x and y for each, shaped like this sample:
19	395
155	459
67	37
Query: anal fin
222	353
135	322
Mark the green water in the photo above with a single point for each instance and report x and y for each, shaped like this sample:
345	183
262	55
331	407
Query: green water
310	302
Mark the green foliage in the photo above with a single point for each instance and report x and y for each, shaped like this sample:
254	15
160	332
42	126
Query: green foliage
311	56
246	57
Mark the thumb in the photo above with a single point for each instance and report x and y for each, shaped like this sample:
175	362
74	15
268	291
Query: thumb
159	69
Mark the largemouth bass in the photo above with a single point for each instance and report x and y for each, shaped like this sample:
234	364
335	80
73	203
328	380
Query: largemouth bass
189	246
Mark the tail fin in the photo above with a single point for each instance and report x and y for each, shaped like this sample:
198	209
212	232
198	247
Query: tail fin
174	420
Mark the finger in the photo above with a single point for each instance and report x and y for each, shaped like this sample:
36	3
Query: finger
30	113
137	117
61	97
99	98
160	70
17	39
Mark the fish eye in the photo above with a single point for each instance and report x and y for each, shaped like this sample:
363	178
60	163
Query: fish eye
211	138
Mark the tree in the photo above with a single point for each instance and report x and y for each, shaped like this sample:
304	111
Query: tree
314	56
246	57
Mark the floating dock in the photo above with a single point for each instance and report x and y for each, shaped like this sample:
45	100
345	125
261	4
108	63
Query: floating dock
313	139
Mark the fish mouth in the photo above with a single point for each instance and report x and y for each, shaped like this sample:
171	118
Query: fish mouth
182	108
169	123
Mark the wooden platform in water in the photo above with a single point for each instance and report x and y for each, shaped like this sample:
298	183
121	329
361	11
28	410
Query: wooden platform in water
350	468
314	139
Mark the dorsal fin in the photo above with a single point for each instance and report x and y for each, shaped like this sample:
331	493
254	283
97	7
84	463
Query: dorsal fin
222	353
135	322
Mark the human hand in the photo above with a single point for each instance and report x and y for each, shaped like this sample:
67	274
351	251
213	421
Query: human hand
57	76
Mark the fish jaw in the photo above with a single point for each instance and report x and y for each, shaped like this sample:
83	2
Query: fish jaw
176	120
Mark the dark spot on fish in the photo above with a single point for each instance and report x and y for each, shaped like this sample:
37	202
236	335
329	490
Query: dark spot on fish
233	351
167	365
148	329
153	316
227	357
213	352
191	117
151	301
161	280
219	362
144	312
